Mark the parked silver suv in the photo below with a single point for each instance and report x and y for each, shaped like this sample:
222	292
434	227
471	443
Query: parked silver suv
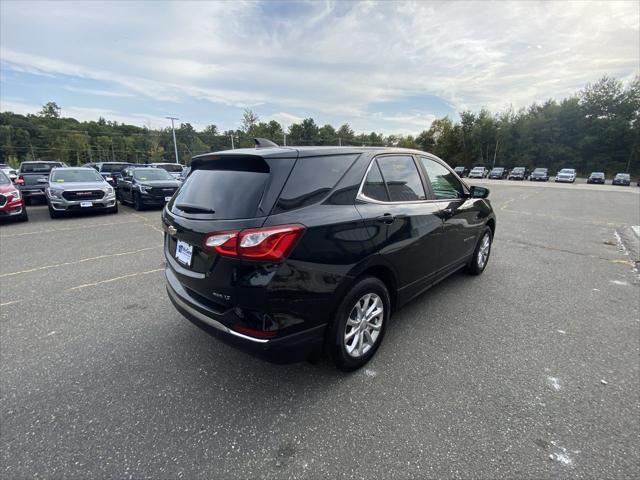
78	189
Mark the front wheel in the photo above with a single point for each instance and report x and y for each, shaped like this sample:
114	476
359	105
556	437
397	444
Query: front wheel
137	203
24	216
53	213
480	258
359	326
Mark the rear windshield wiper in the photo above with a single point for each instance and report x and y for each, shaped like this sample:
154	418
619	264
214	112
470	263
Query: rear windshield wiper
190	208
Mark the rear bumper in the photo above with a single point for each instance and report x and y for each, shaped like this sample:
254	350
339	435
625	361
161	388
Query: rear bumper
290	348
31	191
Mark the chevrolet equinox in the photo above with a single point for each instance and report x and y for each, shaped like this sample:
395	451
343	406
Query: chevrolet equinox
285	252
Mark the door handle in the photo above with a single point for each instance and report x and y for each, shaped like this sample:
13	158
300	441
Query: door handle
386	218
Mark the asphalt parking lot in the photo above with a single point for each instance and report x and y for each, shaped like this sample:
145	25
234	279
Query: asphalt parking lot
529	371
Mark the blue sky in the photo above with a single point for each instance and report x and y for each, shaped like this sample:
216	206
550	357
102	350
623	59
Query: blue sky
389	67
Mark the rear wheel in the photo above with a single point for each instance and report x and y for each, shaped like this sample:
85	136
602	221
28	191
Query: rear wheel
359	326
480	258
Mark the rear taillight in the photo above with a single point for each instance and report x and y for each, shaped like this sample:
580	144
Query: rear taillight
225	243
20	180
268	243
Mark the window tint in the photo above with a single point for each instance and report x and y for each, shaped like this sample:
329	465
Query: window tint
374	187
230	193
402	178
443	183
311	180
113	167
38	167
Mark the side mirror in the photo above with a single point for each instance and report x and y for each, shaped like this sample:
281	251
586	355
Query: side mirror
43	180
478	192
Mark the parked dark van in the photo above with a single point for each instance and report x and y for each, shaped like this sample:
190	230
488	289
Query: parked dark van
285	252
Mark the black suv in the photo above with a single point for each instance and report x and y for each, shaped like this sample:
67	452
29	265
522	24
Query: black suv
540	174
284	251
110	171
146	187
499	173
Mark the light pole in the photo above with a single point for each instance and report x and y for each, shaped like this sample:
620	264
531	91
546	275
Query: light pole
173	130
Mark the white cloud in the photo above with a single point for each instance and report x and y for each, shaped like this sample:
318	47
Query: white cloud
332	59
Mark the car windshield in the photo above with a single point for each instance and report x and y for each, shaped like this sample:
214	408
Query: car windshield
4	180
540	170
113	167
458	169
597	174
75	175
171	167
478	169
498	170
567	170
518	170
623	175
38	167
144	174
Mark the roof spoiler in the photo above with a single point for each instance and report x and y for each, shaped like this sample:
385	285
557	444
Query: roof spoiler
264	143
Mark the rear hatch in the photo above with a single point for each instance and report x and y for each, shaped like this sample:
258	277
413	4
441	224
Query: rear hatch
223	192
32	172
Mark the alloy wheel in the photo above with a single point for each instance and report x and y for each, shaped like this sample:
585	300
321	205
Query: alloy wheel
364	325
483	251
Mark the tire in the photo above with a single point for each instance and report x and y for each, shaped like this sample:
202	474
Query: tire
137	204
27	200
477	264
352	353
24	216
114	209
53	213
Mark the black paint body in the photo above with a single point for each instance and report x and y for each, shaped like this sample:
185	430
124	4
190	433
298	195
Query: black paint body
414	246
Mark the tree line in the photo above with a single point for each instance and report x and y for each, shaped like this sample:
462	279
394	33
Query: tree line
597	128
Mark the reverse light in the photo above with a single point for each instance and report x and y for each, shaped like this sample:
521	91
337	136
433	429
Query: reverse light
268	243
225	243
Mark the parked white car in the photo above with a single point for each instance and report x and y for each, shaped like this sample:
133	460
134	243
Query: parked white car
478	172
566	175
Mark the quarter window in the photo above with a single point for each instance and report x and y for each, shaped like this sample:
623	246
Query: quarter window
401	178
374	186
443	182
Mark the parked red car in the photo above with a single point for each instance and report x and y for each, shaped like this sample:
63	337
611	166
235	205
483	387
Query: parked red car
11	201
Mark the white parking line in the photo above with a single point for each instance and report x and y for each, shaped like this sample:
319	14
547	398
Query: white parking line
9	303
80	227
75	262
115	279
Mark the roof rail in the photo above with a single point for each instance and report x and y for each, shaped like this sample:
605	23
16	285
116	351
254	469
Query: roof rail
264	143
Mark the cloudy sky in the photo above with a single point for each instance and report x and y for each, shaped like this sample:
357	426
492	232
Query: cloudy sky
388	66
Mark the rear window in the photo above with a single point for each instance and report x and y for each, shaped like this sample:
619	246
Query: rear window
226	189
171	167
114	167
311	180
38	167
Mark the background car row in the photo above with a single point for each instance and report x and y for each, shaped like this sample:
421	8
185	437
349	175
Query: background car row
92	187
540	174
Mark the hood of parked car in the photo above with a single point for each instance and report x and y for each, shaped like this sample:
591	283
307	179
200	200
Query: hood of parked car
78	185
7	188
161	183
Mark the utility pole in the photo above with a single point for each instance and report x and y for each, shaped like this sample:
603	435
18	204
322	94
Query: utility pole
233	147
113	154
173	130
285	138
339	141
495	152
34	155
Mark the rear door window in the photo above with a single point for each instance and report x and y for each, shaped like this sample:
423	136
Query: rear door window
311	180
402	178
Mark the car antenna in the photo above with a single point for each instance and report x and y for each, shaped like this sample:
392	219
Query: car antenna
264	143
